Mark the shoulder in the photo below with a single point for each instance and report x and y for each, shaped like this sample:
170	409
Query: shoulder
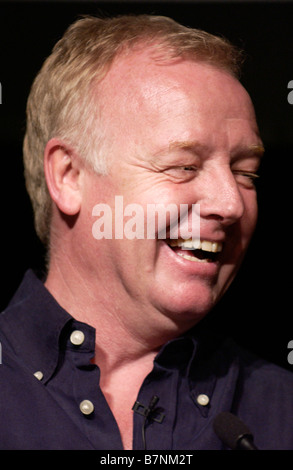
259	370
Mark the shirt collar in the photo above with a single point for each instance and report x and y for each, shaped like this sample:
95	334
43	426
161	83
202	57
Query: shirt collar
196	355
32	324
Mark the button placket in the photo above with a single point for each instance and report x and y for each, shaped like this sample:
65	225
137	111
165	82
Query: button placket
77	338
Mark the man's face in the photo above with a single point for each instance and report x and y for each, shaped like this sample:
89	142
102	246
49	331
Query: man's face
183	133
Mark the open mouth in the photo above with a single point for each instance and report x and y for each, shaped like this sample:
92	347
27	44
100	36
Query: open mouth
203	251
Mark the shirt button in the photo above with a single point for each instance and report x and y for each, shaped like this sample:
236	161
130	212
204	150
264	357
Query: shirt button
203	399
39	375
86	407
77	337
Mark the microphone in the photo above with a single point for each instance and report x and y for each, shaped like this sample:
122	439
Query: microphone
233	432
148	413
154	400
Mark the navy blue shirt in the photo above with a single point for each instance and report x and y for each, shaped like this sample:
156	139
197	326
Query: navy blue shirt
50	396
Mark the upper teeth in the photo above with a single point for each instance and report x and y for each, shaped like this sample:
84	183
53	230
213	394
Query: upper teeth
205	245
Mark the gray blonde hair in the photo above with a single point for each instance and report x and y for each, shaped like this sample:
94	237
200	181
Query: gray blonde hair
61	101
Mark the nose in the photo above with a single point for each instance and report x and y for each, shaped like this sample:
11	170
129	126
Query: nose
221	198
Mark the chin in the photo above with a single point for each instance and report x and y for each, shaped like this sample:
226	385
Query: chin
187	308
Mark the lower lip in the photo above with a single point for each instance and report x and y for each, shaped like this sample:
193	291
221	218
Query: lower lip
199	268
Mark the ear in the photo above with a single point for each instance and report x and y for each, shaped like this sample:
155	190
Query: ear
63	174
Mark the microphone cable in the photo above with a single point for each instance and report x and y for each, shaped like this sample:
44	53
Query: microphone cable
147	415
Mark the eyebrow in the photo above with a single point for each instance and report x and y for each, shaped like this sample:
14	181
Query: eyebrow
257	150
185	145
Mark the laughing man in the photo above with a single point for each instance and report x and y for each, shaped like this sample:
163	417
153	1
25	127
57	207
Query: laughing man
141	108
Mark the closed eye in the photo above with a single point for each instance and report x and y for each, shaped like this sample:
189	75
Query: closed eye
189	168
246	177
184	173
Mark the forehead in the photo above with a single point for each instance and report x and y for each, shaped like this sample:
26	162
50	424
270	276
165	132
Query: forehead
141	96
139	75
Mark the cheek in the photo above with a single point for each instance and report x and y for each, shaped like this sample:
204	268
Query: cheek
249	218
240	233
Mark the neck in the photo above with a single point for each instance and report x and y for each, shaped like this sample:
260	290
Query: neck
122	338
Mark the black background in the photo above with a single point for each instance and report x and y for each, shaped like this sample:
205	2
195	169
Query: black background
257	311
